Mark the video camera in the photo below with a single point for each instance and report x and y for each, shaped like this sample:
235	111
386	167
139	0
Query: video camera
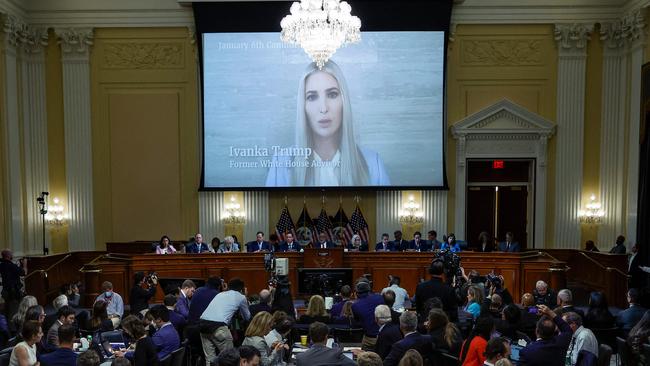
151	278
451	263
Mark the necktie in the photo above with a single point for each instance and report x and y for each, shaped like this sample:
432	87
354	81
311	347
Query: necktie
323	245
508	248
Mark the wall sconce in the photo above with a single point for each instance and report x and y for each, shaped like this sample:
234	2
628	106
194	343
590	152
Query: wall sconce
410	214
56	215
592	215
233	214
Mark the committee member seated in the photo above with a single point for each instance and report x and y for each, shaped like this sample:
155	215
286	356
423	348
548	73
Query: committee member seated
289	245
450	244
165	246
417	244
198	246
228	246
485	242
590	246
509	245
385	245
432	240
323	243
259	244
319	353
399	244
357	245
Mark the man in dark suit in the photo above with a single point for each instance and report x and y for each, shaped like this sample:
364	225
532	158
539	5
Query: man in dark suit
432	238
549	349
319	353
197	246
202	298
177	320
389	332
290	245
634	268
408	324
565	303
436	287
399	244
385	245
258	245
417	244
63	355
183	304
509	245
628	318
619	248
166	337
263	305
323	243
496	349
364	313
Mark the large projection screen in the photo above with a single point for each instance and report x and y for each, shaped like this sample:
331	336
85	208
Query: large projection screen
373	117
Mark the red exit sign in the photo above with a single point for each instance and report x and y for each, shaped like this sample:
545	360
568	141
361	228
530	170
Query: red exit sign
498	164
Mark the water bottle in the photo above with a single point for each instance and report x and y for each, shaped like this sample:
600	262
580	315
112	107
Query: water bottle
90	339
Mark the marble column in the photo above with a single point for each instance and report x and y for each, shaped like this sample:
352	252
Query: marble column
572	56
12	184
34	134
612	132
210	214
634	33
75	57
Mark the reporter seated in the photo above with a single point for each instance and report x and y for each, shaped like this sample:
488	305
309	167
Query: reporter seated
315	311
177	320
64	354
166	338
270	354
99	321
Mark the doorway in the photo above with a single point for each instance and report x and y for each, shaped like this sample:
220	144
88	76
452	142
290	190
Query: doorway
499	200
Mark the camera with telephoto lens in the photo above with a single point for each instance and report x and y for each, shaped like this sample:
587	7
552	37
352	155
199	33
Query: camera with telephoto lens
151	278
494	280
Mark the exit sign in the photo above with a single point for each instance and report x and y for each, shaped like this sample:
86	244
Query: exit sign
498	164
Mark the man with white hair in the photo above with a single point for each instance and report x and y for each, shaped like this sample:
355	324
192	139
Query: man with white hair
565	303
544	295
408	324
389	332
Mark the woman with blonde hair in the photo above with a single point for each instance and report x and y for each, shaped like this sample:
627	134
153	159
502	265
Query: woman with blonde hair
18	318
259	327
411	358
326	152
474	301
315	311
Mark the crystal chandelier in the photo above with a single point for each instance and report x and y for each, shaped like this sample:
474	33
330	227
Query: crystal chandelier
320	27
593	215
411	214
233	213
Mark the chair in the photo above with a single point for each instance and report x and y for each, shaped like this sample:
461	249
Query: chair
166	361
604	355
178	357
646	351
4	359
607	336
623	351
347	334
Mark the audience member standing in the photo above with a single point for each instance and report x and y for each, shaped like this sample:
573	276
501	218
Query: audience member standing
139	296
549	349
401	294
12	288
183	303
346	292
215	334
364	313
436	287
202	298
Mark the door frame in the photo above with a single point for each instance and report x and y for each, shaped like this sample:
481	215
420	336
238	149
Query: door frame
504	130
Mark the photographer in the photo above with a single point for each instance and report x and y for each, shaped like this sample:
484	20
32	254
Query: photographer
144	288
12	288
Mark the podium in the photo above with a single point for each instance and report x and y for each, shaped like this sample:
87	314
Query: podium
323	258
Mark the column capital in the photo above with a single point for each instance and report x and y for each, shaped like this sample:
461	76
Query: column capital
35	40
572	37
75	41
632	27
14	28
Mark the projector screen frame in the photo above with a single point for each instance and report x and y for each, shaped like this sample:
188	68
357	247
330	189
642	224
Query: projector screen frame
376	16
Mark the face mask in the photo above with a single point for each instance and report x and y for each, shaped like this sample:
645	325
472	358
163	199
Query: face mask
108	293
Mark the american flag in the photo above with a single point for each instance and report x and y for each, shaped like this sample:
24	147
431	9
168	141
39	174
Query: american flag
305	228
324	225
285	225
358	225
340	222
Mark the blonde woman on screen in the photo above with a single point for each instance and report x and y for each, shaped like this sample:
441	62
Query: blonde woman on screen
326	152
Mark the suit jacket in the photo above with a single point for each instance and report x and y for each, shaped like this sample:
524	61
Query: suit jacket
318	354
436	288
177	320
400	245
364	312
53	334
328	244
253	246
389	246
422	246
389	335
567	309
194	248
200	301
284	247
551	352
416	341
60	357
514	247
638	277
166	340
628	318
362	248
434	244
488	248
182	306
618	249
